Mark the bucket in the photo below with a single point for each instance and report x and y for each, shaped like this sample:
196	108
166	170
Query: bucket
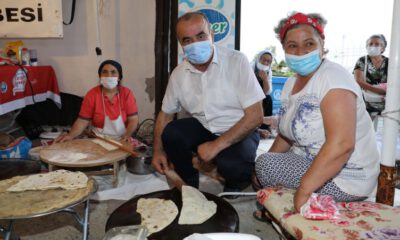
140	165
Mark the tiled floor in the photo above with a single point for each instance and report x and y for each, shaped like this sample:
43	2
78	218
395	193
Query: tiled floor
62	226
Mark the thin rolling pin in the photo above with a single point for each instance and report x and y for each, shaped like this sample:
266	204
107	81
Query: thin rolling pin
119	145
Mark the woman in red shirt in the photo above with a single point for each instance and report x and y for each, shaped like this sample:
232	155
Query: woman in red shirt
109	107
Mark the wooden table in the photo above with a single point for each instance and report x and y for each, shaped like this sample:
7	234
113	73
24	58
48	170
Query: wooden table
95	155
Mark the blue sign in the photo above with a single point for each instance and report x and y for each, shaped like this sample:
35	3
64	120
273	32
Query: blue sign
219	23
3	87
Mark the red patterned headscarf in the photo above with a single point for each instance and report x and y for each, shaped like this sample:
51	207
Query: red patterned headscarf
301	18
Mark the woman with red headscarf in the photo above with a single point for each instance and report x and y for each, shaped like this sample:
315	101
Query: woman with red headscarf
326	142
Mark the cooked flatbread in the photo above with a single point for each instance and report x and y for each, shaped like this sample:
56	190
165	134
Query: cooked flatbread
156	213
28	203
58	179
196	209
107	146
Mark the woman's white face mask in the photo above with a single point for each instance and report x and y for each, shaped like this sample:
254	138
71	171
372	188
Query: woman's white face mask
374	51
263	67
109	82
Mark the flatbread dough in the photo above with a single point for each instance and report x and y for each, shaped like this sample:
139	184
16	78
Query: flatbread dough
105	145
156	213
67	156
196	209
58	179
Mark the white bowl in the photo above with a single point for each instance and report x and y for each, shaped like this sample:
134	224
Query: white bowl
224	236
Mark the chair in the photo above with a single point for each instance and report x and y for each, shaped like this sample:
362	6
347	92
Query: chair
359	220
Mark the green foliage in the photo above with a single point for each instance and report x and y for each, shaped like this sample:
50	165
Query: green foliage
281	69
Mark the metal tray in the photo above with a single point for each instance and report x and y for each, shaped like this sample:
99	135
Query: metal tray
93	186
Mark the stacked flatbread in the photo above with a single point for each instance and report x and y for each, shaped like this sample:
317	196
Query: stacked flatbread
33	202
58	179
196	209
156	213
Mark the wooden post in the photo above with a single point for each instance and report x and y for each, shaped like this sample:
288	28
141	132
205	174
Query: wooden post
386	185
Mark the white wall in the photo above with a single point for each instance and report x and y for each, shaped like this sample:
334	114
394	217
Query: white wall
127	32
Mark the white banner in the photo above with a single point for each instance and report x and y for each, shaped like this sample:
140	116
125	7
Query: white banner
31	19
220	13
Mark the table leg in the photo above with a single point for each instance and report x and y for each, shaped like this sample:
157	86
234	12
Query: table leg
51	167
83	222
116	171
7	232
86	221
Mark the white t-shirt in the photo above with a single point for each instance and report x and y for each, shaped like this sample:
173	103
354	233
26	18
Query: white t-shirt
301	121
218	96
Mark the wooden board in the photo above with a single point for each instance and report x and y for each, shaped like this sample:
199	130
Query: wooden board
96	155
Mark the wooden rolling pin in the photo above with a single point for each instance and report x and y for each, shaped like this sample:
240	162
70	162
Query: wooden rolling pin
114	143
174	178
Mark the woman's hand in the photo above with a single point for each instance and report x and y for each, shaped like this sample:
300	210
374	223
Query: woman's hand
63	137
300	198
263	75
126	139
264	134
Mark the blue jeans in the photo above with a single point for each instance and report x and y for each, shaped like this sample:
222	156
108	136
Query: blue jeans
235	164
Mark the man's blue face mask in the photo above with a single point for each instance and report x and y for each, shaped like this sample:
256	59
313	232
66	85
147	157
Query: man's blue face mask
198	52
304	65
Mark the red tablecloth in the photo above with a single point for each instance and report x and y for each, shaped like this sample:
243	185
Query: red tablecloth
16	90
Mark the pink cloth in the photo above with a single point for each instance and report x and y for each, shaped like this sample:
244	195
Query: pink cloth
320	207
383	85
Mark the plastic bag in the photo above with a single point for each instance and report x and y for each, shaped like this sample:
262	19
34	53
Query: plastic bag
320	207
17	149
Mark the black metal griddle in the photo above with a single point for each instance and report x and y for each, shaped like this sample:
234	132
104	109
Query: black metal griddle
226	218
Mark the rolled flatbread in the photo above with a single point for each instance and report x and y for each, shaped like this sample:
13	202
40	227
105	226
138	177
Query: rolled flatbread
196	209
156	213
58	179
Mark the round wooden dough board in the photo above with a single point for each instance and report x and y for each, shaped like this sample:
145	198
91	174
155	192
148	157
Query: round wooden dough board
96	155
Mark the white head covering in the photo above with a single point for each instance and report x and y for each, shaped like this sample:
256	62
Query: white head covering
258	56
257	59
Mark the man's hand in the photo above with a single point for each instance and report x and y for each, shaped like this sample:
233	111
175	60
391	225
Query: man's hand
160	162
207	151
